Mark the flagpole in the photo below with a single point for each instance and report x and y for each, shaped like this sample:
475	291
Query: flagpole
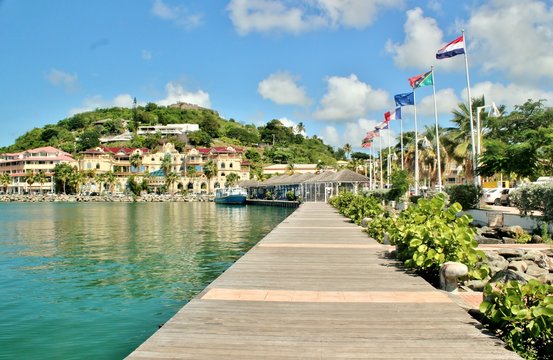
371	167
437	132
389	154
401	141
470	111
416	146
380	156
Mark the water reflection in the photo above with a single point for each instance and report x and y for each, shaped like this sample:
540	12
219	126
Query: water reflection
115	270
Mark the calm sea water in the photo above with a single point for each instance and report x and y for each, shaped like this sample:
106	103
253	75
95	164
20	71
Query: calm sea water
94	280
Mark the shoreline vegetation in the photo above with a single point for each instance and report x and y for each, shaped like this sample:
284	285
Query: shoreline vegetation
104	198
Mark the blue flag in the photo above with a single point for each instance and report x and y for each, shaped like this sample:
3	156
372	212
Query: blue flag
405	99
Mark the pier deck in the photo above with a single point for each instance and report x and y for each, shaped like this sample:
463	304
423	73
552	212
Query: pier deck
317	287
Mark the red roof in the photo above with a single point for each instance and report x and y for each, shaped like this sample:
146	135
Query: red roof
116	150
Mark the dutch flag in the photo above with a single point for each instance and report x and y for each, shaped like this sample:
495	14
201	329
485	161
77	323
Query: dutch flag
456	47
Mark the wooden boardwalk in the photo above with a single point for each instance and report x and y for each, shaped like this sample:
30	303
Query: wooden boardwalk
317	287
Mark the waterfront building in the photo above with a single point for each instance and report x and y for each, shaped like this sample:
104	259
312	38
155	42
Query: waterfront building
39	160
277	169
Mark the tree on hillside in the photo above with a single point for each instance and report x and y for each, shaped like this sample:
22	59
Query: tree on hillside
274	132
300	128
210	124
89	139
199	138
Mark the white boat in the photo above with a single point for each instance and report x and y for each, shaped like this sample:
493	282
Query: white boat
233	195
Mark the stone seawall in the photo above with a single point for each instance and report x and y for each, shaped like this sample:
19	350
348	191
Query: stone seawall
104	198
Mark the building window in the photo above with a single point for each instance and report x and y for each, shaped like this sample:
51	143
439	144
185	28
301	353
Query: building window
222	174
230	165
222	165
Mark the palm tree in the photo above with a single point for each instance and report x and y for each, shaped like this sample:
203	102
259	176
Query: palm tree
459	140
232	179
30	179
110	179
62	172
170	180
76	180
136	161
290	168
300	128
209	169
5	180
347	149
41	178
166	164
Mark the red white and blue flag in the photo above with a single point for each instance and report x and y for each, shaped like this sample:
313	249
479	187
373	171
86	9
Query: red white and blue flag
456	47
392	115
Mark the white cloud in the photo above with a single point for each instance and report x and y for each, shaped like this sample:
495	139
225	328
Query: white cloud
446	101
348	98
177	14
96	101
146	55
423	38
282	89
177	93
513	37
61	78
303	15
509	95
353	133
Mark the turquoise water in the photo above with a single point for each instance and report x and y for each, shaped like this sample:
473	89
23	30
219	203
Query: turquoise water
94	280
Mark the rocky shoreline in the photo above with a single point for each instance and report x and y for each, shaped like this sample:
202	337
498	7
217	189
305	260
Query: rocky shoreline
104	198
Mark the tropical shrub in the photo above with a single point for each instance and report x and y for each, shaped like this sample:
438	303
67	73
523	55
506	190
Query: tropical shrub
361	207
429	233
522	315
466	195
532	197
379	226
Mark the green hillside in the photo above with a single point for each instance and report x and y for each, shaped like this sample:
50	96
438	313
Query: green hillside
270	143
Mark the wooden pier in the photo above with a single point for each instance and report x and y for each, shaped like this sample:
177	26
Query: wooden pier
317	287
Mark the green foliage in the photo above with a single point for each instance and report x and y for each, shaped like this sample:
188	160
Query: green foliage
274	132
232	179
291	196
430	233
379	226
134	187
357	207
466	195
89	139
522	315
400	185
534	197
199	138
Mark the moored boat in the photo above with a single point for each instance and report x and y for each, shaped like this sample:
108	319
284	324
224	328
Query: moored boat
233	195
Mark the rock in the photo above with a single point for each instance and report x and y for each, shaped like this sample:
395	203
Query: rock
497	265
365	222
476	285
546	279
533	255
510	253
536	271
520	266
508	240
486	240
536	239
488	232
504	276
450	272
514	231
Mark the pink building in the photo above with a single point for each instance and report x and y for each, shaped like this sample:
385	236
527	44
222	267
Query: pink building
17	165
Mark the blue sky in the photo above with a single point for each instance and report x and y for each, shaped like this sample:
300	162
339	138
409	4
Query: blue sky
334	65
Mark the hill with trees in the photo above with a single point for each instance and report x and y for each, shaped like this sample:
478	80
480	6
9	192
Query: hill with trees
267	144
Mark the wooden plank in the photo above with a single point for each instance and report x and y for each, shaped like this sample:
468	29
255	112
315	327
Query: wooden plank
317	287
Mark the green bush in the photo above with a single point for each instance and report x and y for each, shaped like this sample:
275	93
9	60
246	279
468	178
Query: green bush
400	185
532	197
430	233
380	225
466	195
522	315
357	207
